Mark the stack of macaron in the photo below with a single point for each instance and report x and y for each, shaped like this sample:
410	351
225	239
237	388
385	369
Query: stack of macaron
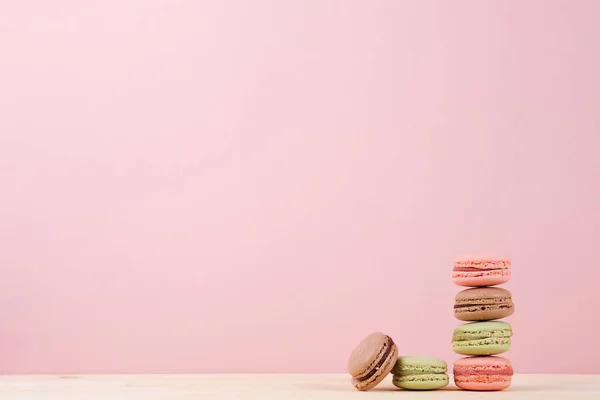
376	356
483	336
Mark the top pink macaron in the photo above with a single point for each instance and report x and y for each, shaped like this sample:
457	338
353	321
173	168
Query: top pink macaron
481	270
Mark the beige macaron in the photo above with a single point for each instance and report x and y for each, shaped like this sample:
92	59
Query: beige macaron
372	360
483	304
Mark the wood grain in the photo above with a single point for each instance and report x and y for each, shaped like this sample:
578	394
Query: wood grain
270	387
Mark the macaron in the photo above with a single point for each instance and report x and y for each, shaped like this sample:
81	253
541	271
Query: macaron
483	373
420	373
483	304
482	338
481	270
372	360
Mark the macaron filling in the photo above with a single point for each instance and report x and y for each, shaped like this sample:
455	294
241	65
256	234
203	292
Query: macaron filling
483	370
480	272
487	304
482	342
421	377
470	269
471	265
483	334
481	378
417	370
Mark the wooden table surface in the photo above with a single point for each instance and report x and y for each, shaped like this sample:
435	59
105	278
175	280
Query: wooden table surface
271	387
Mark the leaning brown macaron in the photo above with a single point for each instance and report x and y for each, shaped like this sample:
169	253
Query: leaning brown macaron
483	304
372	360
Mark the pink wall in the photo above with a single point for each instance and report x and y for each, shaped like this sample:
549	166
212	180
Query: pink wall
230	186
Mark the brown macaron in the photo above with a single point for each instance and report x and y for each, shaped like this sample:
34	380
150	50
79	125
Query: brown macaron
483	304
372	360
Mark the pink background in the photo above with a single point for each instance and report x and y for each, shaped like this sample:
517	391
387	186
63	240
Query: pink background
230	186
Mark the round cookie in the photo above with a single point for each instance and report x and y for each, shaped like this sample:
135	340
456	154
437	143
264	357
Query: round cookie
481	270
420	373
482	338
372	360
483	373
483	304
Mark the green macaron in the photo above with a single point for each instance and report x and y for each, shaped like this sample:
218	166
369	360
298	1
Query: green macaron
420	373
482	338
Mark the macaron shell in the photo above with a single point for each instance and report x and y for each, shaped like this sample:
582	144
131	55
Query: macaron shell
482	350
481	258
421	382
483	366
480	279
489	386
380	375
477	330
413	365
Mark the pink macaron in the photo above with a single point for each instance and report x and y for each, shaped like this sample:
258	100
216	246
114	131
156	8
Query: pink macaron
481	270
483	373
